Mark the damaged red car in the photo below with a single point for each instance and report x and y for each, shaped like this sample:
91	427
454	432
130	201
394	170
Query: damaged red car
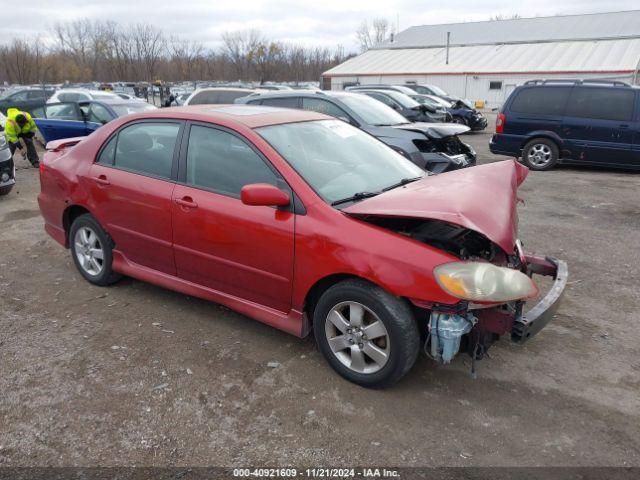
305	223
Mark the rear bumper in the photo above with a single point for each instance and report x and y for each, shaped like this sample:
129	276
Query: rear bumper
527	325
504	144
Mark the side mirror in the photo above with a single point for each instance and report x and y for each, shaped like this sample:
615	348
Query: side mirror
265	195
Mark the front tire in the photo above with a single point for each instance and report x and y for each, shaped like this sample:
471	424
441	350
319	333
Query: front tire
5	190
540	154
367	335
92	251
459	120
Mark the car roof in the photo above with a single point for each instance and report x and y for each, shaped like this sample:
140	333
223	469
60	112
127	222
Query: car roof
252	116
227	89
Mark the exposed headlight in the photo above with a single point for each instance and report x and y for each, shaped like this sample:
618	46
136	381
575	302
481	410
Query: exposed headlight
5	177
484	282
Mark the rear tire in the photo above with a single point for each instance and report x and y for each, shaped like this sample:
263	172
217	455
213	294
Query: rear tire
92	251
540	154
367	335
5	190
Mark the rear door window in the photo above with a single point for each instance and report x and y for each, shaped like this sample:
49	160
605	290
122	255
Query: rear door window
322	106
147	148
288	102
541	101
205	98
601	103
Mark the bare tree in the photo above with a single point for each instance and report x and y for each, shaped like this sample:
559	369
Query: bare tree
373	35
499	16
149	47
237	45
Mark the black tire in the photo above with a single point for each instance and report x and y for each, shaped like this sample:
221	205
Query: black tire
458	120
105	275
402	332
540	154
5	190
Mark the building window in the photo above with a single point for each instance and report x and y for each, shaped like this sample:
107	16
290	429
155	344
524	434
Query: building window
495	85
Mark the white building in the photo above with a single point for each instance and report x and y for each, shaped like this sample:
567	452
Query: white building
486	60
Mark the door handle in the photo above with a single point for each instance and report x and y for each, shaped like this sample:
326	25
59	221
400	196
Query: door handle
102	180
186	202
623	125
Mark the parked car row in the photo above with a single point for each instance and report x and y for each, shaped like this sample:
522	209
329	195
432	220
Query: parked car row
435	147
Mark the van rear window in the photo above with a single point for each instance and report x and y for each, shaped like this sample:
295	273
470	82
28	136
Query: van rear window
601	103
541	100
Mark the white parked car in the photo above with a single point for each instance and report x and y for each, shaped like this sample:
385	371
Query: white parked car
81	95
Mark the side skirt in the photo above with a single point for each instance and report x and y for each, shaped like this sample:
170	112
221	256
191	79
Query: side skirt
291	322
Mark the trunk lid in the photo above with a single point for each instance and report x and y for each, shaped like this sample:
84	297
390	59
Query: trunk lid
481	198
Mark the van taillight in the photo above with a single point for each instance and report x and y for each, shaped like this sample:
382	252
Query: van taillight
500	122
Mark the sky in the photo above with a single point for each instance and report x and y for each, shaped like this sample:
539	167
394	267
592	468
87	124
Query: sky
325	22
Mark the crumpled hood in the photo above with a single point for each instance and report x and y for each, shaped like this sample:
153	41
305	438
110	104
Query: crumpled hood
434	130
481	198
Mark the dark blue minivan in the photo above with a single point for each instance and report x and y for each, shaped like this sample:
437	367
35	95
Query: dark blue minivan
590	122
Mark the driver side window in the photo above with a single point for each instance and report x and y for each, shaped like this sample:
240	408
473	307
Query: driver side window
99	114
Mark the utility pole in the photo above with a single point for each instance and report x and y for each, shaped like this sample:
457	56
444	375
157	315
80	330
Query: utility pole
448	41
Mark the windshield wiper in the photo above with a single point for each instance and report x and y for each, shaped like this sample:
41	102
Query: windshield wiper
355	196
402	182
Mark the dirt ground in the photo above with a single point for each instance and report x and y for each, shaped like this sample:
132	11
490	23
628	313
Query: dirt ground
137	375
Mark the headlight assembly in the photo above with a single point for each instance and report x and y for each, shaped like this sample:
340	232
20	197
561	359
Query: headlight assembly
484	282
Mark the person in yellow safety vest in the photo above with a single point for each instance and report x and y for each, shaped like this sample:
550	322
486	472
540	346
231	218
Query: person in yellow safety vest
20	125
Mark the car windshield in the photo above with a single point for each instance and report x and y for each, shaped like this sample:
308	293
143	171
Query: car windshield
438	90
426	101
340	161
372	111
127	108
405	100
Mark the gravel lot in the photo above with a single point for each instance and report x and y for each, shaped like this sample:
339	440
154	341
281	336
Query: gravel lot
137	375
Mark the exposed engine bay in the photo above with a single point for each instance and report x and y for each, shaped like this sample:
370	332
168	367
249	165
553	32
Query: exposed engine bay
464	327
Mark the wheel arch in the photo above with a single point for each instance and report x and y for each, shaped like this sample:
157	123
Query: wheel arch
321	286
554	137
68	216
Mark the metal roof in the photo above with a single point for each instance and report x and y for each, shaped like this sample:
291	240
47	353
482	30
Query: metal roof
607	56
613	25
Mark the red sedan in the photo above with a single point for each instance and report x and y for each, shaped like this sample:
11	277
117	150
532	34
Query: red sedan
305	223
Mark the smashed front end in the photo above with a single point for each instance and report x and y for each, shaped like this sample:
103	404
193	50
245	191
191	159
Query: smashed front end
441	149
471	215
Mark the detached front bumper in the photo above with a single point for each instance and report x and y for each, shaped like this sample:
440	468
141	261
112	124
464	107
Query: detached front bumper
527	325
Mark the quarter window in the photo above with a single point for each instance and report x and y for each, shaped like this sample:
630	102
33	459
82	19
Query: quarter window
147	148
108	152
220	161
601	103
495	85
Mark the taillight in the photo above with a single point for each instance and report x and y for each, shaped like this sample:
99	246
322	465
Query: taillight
41	167
500	121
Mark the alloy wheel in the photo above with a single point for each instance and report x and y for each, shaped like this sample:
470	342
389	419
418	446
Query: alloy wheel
539	155
89	251
357	337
